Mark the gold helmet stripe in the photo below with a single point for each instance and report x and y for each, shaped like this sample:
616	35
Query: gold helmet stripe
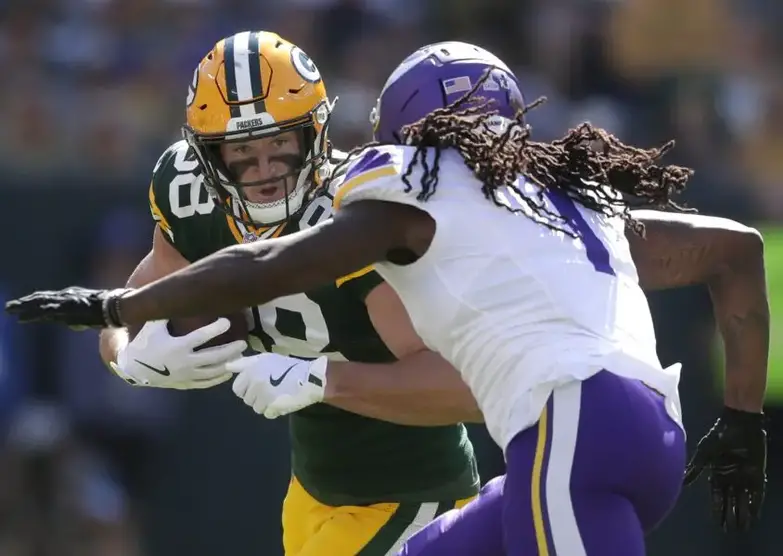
246	74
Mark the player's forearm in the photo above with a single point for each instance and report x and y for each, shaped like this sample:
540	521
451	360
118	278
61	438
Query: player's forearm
246	275
162	260
741	306
219	284
421	389
111	342
685	249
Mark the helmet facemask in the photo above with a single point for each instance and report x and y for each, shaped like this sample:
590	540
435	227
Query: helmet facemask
307	170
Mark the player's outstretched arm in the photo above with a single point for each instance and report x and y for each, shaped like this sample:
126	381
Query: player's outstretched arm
240	276
685	249
420	389
162	260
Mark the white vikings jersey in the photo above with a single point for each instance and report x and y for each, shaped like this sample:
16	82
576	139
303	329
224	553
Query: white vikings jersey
517	307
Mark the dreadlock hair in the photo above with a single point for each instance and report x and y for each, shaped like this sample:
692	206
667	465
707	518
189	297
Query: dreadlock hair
589	165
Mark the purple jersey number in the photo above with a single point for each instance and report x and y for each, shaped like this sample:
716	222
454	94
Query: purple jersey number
596	252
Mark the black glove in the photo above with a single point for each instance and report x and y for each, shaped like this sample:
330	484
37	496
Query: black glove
734	453
76	307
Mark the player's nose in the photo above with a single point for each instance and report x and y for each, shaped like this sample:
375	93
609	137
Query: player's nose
267	168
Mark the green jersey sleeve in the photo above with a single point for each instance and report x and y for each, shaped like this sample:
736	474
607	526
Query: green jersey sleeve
180	204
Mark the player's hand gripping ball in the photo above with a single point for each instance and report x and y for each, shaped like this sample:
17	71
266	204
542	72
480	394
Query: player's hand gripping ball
183	354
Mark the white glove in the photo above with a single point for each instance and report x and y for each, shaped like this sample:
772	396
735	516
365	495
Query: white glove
156	358
277	385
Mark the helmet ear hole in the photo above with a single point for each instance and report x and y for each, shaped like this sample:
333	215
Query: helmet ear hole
202	107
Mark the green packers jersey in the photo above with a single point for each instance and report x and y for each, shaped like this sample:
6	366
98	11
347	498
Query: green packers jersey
341	458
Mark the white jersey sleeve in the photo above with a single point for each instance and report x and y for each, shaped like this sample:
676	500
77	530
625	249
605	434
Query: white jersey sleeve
376	174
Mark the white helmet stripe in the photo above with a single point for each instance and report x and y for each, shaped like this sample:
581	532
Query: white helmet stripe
242	72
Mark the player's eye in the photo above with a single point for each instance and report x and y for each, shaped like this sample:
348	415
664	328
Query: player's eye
242	149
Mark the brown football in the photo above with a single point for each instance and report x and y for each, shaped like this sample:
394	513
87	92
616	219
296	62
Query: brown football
179	327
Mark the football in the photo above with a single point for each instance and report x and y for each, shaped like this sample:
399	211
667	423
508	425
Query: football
179	327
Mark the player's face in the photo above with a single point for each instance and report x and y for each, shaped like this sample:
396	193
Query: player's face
262	160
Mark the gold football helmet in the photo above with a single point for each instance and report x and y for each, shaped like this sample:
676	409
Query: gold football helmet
250	86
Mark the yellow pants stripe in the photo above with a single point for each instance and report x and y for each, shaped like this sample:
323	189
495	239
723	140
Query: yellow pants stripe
539	474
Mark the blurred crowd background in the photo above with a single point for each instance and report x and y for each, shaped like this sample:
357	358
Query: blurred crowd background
94	90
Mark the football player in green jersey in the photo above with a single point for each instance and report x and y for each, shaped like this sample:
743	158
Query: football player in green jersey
254	165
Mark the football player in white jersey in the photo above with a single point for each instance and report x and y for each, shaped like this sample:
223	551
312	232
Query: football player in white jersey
525	284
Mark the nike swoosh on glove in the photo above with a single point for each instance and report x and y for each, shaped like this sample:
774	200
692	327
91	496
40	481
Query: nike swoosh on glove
158	359
275	385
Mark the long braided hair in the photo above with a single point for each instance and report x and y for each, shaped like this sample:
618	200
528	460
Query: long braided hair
589	164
